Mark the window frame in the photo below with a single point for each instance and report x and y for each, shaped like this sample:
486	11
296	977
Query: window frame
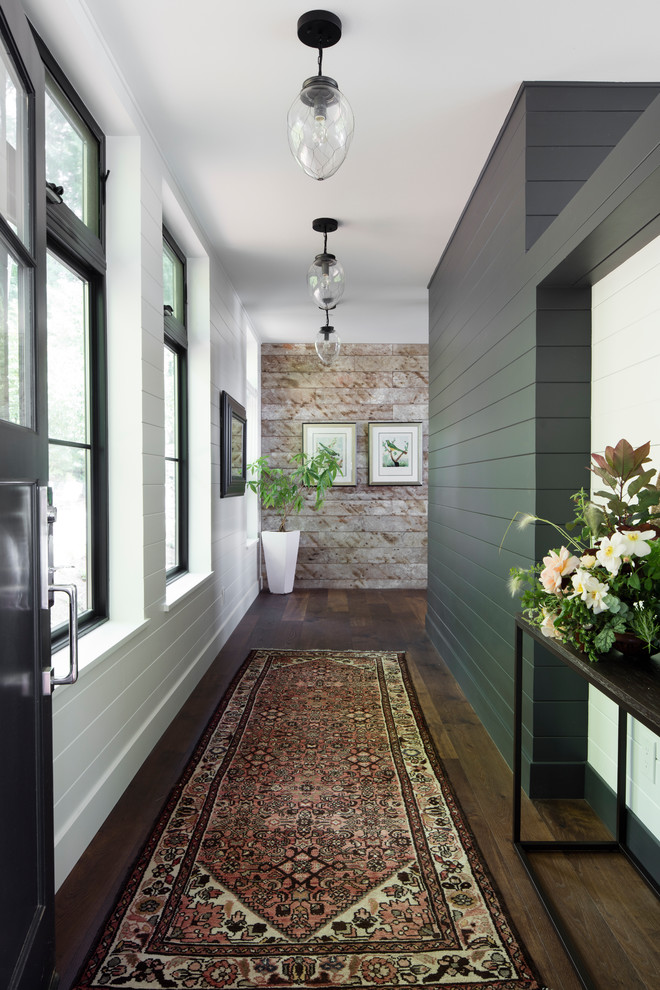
175	337
78	247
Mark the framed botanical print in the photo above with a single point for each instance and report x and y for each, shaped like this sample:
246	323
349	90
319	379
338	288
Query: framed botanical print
340	437
395	454
233	423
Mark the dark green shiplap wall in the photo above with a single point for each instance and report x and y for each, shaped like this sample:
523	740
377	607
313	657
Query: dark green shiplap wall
509	370
481	433
570	132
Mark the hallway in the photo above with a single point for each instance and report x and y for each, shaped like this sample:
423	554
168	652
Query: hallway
393	620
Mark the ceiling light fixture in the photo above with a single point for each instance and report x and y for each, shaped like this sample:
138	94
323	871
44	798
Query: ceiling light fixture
320	121
325	276
327	343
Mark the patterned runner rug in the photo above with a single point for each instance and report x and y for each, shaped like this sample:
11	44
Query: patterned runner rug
313	841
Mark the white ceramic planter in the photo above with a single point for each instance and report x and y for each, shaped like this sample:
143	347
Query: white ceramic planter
281	554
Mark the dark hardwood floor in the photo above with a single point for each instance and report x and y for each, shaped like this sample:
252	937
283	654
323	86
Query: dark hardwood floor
616	918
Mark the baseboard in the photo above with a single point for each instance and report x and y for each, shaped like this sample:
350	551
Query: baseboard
84	820
644	846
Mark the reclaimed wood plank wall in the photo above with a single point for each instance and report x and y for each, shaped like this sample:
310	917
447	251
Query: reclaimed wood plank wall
364	536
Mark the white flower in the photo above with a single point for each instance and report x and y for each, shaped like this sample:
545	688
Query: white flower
579	581
590	590
588	560
595	596
635	543
548	627
610	552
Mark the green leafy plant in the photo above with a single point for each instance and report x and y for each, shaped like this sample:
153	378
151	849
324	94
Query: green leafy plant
604	581
285	491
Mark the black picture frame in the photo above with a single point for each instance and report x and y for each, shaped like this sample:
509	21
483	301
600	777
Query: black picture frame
233	443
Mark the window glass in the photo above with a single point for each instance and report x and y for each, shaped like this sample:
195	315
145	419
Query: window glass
15	339
172	540
172	556
69	477
16	279
14	187
68	414
173	278
171	424
68	353
72	160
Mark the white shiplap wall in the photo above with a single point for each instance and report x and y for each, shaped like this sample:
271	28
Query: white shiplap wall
138	669
626	403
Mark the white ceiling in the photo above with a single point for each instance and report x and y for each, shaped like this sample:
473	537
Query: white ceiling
430	84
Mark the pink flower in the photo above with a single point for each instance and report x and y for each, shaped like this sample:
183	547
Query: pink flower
557	566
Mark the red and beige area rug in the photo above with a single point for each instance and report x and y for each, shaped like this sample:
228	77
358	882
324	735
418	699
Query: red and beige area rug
313	841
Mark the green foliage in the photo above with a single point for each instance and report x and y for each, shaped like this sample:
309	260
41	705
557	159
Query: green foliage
622	470
645	624
284	491
589	517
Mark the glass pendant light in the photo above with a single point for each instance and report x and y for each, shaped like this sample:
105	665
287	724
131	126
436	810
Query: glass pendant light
328	343
325	277
320	120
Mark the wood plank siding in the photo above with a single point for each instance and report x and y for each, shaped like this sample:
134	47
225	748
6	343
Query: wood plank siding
570	132
568	192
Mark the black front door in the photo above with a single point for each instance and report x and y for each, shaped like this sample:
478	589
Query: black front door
26	842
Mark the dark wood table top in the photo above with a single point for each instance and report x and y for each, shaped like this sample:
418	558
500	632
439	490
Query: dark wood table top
632	682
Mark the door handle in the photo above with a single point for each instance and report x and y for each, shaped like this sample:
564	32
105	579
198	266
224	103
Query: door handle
72	591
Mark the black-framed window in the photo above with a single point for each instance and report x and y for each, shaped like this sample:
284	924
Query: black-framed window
76	347
176	407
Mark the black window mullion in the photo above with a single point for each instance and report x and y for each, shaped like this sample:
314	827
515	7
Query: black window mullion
183	459
66	230
99	435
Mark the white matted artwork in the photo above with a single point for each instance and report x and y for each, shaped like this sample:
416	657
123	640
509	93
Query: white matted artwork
395	453
340	437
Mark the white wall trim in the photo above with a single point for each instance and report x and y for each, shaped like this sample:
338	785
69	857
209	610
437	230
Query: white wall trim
74	834
625	403
179	591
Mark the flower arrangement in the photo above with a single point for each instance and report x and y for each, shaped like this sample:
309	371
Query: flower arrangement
602	585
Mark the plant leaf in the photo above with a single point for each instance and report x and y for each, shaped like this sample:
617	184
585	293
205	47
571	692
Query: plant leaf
604	641
641	454
600	461
608	478
638	483
623	458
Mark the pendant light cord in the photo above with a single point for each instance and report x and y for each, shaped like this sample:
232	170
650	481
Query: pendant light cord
320	61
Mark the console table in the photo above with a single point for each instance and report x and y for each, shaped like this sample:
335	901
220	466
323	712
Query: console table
634	685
